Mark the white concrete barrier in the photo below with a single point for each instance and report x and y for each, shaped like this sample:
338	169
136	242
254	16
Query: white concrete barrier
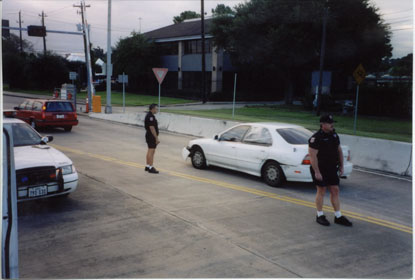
371	153
378	154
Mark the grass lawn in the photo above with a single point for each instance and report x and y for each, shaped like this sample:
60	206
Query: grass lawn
375	127
131	99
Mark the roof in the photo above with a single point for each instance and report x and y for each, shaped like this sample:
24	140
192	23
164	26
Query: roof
176	32
275	125
11	120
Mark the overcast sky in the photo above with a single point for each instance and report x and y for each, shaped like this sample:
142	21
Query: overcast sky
61	15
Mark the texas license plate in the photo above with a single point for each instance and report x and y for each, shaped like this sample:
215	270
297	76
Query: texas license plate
60	116
38	191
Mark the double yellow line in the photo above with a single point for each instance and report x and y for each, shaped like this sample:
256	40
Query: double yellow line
288	199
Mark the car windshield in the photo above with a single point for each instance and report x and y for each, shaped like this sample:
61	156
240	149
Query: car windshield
59	107
24	135
295	136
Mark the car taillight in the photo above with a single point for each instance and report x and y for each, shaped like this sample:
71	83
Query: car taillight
348	155
76	116
306	160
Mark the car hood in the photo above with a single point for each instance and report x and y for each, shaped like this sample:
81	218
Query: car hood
39	155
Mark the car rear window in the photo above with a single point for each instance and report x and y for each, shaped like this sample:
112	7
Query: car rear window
295	136
59	107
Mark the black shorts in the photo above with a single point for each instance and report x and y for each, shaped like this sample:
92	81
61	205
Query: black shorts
330	177
151	141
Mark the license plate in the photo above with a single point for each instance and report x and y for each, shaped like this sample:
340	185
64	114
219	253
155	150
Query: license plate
60	116
38	191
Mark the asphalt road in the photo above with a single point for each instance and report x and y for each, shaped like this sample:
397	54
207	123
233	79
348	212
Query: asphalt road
185	223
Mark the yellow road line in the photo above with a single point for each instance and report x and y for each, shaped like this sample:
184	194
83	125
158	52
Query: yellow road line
288	199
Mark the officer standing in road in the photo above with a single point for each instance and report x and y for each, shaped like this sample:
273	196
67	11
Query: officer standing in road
152	132
326	166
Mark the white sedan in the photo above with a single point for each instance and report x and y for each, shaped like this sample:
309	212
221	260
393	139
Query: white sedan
273	151
41	170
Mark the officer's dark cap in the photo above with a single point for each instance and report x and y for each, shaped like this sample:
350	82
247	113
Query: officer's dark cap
152	106
327	119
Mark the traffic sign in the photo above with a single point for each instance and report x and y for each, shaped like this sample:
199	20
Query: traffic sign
123	78
72	75
359	74
160	74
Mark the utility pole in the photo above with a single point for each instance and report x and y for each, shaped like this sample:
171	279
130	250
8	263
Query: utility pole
322	54
83	7
43	15
139	20
20	31
204	99
108	108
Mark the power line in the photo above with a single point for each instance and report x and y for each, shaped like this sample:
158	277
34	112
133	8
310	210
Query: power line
409	28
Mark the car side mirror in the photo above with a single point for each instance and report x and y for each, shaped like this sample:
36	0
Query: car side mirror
46	139
216	137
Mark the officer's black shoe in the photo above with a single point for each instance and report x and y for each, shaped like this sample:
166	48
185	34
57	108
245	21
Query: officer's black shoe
153	170
146	169
342	221
322	220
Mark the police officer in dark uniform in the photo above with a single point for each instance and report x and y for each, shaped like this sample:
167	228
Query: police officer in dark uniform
152	132
326	166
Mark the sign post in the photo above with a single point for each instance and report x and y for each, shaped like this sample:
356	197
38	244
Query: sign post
359	74
234	96
72	77
160	74
124	80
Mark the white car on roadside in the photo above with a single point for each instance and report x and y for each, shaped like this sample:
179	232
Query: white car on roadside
273	151
41	170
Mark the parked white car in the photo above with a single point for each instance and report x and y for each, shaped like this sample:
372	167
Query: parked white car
273	151
41	170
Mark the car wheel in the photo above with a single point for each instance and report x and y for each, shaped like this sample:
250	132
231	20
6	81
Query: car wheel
68	128
272	174
198	159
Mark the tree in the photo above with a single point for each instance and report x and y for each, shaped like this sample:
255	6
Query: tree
136	56
47	71
282	38
222	9
185	15
98	53
12	44
402	66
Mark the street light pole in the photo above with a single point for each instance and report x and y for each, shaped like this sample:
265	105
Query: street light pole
108	108
322	54
204	99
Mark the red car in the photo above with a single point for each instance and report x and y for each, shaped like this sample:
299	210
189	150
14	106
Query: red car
47	113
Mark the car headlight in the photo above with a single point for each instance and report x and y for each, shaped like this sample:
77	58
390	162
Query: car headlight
68	169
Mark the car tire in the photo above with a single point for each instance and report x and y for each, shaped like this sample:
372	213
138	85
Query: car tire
68	128
198	158
272	174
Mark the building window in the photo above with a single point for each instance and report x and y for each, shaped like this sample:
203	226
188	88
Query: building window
169	48
195	46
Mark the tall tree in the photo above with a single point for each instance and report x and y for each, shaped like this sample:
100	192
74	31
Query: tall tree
185	15
287	36
403	66
222	9
135	56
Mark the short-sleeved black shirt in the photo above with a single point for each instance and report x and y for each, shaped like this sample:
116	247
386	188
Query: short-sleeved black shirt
327	145
150	120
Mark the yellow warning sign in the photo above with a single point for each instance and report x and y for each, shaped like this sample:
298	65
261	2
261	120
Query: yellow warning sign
359	74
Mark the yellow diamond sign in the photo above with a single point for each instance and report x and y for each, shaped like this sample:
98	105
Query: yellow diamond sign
359	74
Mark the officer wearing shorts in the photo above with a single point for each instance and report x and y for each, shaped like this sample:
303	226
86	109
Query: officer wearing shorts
152	132
326	166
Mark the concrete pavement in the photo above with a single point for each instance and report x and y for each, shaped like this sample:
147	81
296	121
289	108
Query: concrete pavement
186	223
